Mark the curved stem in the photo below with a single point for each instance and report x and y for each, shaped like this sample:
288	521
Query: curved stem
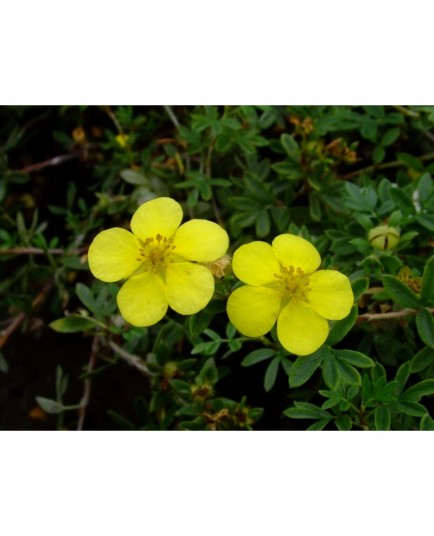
368	317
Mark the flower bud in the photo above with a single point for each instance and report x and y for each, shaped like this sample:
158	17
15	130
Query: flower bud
170	369
383	237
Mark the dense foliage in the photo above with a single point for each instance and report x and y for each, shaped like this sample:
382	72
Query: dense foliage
354	181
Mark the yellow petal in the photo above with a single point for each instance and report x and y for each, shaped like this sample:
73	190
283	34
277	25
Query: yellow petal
142	300
189	287
158	216
331	295
255	264
291	250
113	254
253	310
300	329
201	241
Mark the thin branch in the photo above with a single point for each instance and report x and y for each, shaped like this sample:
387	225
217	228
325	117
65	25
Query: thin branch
208	172
88	383
369	317
428	135
46	163
177	124
131	359
405	111
172	116
386	165
40	251
19	319
113	117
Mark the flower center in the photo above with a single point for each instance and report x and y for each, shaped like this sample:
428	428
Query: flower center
293	284
156	253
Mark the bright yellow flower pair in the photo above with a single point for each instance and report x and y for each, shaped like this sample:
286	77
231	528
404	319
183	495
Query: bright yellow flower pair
282	285
159	258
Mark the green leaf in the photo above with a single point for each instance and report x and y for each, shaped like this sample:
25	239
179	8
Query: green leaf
354	358
120	421
360	286
314	206
378	154
208	372
343	422
426	220
367	391
427	292
198	322
422	360
305	366
382	418
132	177
413	409
347	373
425	327
271	374
390	136
72	324
305	410
410	161
400	293
48	405
427	423
21	227
425	187
85	295
262	223
286	364
331	402
206	348
402	375
378	372
416	392
181	387
257	356
385	392
319	425
291	147
341	327
330	370
401	199
4	366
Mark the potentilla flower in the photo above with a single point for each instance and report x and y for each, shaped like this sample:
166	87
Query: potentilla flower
282	285
159	258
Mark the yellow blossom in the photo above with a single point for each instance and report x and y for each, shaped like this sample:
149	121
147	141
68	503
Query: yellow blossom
283	285
122	140
159	259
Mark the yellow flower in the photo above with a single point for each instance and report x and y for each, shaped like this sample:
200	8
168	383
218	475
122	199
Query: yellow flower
122	140
284	286
159	259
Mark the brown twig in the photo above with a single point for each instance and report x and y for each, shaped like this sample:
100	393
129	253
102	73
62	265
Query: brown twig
113	117
131	359
428	135
408	113
19	319
88	383
369	317
386	165
40	251
46	163
208	173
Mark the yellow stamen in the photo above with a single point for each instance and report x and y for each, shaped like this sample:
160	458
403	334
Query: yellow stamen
156	252
293	284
